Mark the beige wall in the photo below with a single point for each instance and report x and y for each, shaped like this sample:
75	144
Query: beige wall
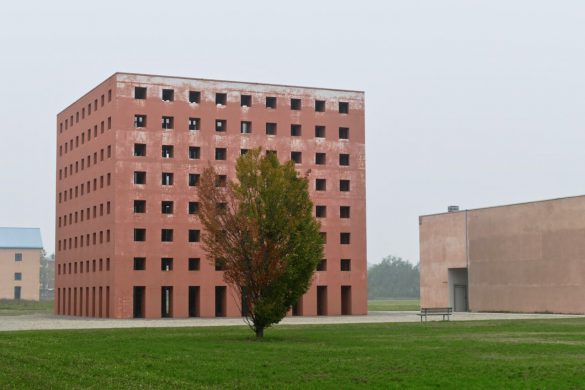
526	257
30	269
442	246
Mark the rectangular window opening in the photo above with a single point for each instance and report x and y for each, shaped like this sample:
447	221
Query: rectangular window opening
139	234
245	127
221	99
168	95
139	177
139	264
270	128
139	206
345	265
139	93
344	185
194	264
344	159
193	208
166	264
139	150
344	238
295	104
320	105
166	235
167	151
194	124
167	207
344	211
246	101
194	152
194	97
139	121
320	131
270	102
167	122
295	130
220	125
297	157
194	179
320	184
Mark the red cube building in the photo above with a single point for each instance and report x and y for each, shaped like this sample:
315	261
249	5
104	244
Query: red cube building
129	156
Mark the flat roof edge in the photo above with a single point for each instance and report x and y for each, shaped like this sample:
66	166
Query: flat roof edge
504	205
238	82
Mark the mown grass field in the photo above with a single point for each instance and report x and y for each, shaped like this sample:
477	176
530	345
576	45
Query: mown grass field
393	304
480	354
15	308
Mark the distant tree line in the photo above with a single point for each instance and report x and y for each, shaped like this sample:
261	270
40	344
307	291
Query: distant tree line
393	278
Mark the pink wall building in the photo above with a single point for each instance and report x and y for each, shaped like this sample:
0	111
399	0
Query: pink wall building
129	155
527	257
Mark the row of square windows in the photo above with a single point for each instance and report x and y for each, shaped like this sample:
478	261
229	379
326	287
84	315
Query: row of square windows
97	265
81	164
67	146
168	179
167	207
195	236
166	264
69	121
73	242
71	218
194	153
221	125
168	95
85	188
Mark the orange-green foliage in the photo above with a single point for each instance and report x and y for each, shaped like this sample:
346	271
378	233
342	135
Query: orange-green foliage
262	231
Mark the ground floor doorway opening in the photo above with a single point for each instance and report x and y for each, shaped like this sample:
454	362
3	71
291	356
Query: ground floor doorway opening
458	296
138	301
220	301
321	300
193	301
345	300
166	301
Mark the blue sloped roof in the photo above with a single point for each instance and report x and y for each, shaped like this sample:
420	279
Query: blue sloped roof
25	238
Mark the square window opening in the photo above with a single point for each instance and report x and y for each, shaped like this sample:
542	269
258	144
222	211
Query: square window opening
295	104
270	102
271	128
246	101
168	95
221	99
320	105
139	93
194	97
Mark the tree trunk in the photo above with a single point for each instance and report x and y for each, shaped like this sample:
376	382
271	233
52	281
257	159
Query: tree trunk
259	332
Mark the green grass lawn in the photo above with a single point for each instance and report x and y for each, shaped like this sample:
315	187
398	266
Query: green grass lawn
478	354
393	304
14	308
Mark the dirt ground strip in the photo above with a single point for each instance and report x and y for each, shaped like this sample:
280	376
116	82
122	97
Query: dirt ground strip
51	322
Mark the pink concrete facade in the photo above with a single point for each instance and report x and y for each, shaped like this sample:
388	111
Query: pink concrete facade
96	174
20	273
527	257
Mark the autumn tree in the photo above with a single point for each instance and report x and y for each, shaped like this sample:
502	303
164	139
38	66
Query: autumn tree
262	231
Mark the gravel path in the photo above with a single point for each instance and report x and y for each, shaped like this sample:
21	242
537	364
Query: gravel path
52	322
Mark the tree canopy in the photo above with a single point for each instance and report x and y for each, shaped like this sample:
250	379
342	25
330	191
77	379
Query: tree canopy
262	231
393	278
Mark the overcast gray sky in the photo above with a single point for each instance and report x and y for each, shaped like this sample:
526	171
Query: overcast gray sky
474	103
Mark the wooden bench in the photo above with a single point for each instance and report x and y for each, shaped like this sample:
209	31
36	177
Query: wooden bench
435	311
